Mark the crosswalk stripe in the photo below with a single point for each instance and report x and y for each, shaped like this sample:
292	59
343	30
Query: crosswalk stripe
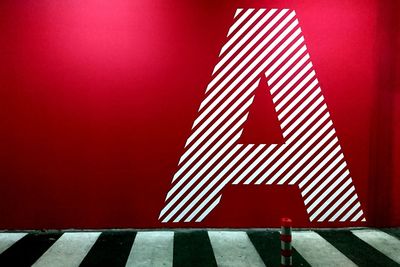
152	249
8	239
197	248
381	241
193	247
355	249
234	248
268	246
393	231
317	251
28	249
111	249
69	250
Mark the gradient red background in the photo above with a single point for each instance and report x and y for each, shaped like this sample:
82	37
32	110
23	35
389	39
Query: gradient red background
98	97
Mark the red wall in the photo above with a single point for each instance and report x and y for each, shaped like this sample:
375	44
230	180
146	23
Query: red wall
97	99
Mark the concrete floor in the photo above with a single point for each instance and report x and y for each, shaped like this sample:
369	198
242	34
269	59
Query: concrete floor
344	247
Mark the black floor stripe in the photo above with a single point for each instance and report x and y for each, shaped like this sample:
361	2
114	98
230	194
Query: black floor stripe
268	245
392	231
193	248
110	249
28	249
355	249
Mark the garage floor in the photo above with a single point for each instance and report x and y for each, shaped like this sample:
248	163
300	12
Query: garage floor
345	247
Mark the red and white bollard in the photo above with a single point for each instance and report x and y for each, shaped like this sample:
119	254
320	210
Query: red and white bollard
286	242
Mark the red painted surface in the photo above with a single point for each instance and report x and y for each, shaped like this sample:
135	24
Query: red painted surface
98	97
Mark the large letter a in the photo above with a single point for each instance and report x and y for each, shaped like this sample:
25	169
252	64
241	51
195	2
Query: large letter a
263	42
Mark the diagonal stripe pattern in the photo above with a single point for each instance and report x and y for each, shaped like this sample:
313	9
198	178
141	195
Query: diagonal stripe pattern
263	42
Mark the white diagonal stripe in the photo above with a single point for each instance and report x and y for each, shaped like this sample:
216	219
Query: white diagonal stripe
239	21
324	184
306	157
241	31
319	166
245	162
298	154
385	243
230	144
221	185
237	92
295	147
202	182
343	208
211	184
331	198
69	250
291	95
287	64
287	76
328	191
209	209
314	160
205	179
246	71
337	204
299	109
297	99
291	149
214	137
358	215
292	81
8	239
152	249
233	249
236	59
325	171
255	163
317	251
351	211
238	11
287	53
237	47
218	122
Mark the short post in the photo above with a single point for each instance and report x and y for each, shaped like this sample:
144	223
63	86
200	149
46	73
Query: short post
286	242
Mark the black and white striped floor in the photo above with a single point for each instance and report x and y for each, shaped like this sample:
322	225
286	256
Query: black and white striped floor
362	247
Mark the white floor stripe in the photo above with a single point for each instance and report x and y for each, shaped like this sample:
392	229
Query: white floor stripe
69	250
8	239
152	249
317	251
385	243
234	249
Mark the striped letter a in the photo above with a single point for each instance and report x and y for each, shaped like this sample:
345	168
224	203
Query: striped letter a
270	43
